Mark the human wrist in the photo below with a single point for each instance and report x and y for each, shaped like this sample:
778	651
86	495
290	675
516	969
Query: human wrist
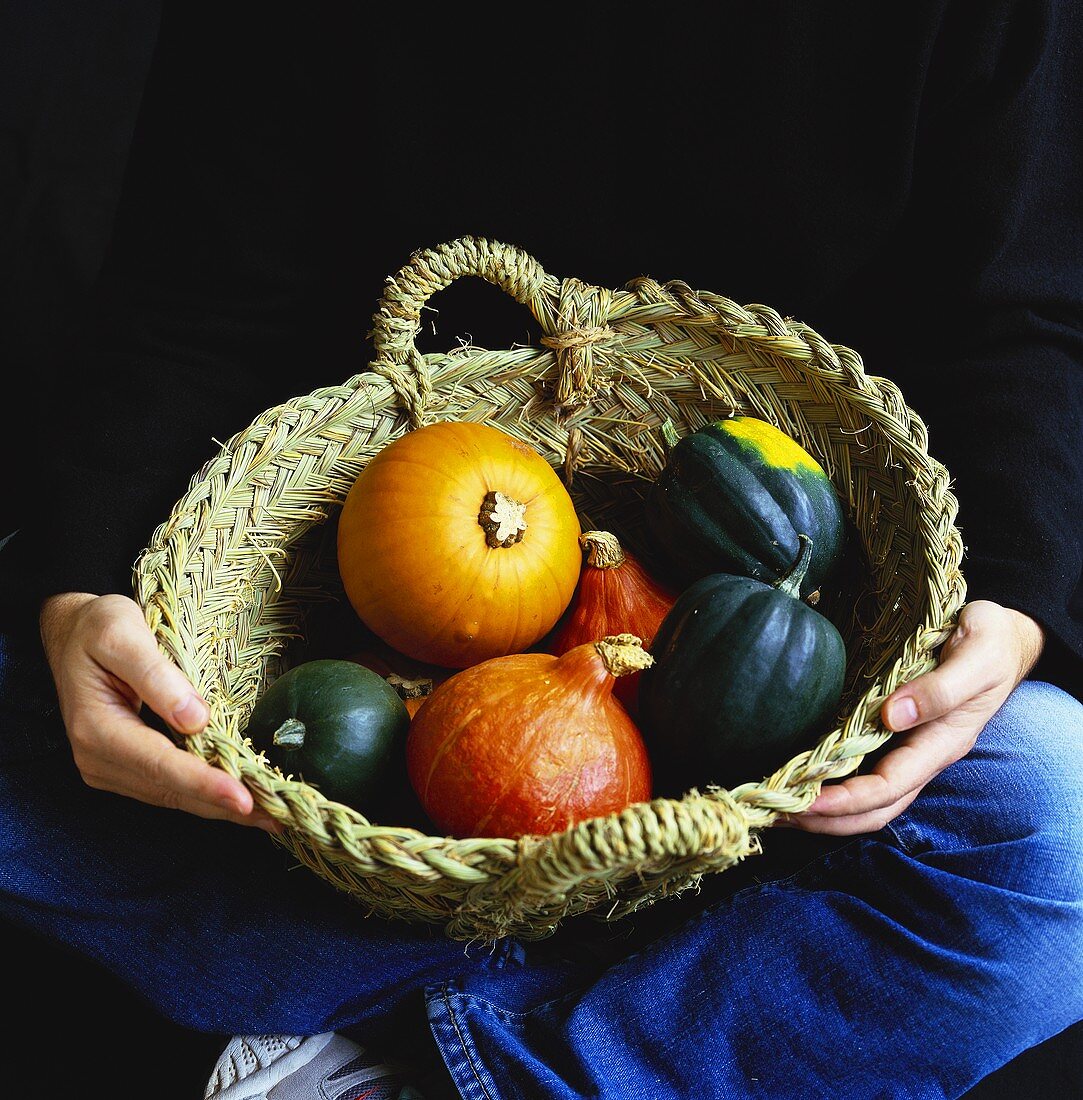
1031	640
56	611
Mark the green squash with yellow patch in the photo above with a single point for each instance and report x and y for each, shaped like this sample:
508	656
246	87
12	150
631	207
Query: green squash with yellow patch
735	496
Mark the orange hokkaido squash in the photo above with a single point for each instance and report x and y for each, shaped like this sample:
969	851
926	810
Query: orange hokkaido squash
530	743
458	543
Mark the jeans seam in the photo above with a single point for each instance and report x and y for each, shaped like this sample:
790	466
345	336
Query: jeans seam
467	1049
899	829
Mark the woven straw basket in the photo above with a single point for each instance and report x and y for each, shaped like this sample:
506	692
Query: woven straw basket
227	578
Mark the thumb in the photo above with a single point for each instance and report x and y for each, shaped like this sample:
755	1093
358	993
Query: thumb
126	648
969	666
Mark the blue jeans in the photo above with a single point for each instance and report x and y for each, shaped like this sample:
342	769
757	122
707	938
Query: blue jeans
908	963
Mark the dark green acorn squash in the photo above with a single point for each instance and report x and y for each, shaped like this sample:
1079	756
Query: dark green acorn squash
733	498
340	727
745	676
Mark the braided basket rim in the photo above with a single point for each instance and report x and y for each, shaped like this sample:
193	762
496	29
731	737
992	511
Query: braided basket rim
400	871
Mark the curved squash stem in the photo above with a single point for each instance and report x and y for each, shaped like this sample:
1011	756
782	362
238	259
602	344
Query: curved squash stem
791	583
603	549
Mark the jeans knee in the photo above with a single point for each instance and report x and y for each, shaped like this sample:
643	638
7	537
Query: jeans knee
1030	762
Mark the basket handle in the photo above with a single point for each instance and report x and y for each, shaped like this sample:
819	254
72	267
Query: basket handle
571	315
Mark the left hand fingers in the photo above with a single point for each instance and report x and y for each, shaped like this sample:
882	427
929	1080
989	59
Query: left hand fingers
989	652
971	664
943	710
866	803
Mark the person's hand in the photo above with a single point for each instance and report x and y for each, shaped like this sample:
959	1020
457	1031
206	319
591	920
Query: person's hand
988	654
106	664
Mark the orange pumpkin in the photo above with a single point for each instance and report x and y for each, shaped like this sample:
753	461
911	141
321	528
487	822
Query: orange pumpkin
458	543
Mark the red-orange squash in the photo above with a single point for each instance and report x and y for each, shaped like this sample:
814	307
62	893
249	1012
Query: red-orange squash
616	595
458	543
530	743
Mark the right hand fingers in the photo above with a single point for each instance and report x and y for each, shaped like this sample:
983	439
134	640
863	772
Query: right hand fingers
120	641
107	664
133	760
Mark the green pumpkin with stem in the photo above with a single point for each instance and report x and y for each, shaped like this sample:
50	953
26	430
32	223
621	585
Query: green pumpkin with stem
338	726
745	675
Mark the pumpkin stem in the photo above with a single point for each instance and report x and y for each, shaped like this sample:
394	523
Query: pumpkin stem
669	434
290	735
410	689
623	654
603	549
502	519
791	583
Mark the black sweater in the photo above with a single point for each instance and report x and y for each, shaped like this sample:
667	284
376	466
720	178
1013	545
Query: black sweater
906	180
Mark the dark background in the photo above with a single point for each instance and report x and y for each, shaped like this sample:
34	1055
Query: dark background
70	82
71	75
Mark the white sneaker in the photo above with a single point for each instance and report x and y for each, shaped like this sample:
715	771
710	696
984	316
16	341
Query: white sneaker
294	1067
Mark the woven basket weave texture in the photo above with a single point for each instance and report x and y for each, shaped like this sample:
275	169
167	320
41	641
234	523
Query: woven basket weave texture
227	579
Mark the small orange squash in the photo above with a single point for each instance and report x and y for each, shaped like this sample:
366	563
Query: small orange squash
458	543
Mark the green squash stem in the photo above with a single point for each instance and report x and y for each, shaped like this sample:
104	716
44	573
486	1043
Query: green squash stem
290	735
791	583
669	434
